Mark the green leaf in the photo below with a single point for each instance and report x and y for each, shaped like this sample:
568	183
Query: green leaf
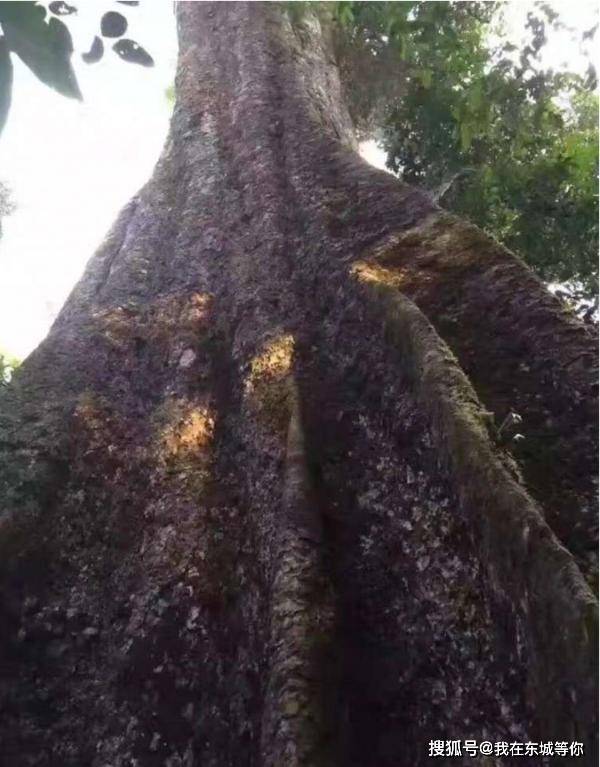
426	77
133	52
466	136
61	9
345	13
113	24
95	52
402	40
45	47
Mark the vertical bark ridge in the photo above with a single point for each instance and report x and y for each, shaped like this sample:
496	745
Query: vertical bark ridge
293	730
414	607
527	355
521	555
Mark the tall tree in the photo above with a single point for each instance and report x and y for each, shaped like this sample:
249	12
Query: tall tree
263	502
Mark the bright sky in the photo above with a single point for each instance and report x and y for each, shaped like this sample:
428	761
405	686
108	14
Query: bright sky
71	166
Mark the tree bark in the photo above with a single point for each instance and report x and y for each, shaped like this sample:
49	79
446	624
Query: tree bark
257	509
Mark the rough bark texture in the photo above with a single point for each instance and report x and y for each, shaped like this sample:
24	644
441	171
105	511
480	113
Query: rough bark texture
256	508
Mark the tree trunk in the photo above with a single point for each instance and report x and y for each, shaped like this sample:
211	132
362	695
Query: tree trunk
257	506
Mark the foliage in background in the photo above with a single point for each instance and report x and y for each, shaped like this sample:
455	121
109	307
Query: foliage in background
46	47
8	365
384	47
494	137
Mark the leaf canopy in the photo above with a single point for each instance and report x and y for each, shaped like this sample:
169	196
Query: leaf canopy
453	99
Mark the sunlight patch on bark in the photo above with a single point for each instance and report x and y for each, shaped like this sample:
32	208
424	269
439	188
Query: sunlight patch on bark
268	385
167	317
274	361
376	274
117	325
188	431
